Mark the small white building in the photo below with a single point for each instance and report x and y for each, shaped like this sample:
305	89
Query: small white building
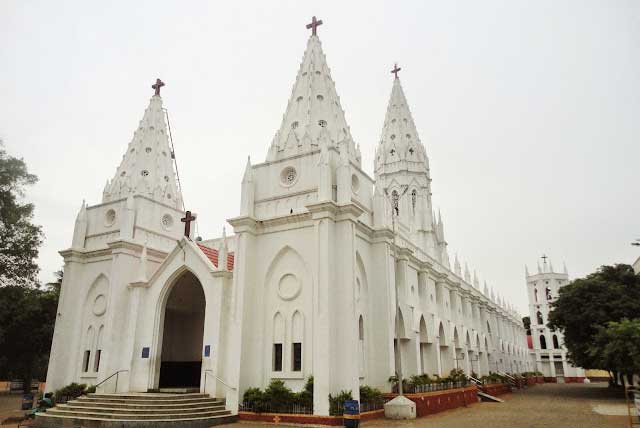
306	285
548	355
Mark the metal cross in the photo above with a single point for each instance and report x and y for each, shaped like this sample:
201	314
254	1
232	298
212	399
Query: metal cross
159	84
315	23
395	70
187	219
544	258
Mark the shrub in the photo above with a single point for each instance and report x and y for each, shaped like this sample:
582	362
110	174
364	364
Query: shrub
368	393
336	404
305	397
457	375
278	395
254	397
73	390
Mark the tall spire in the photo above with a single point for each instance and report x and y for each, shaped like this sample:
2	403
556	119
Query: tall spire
456	266
400	146
147	166
313	112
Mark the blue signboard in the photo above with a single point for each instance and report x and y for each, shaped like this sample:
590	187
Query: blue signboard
145	352
207	350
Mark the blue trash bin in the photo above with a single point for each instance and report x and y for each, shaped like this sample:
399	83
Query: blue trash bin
27	402
351	414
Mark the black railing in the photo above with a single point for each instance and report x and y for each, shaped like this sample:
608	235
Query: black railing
368	405
409	388
289	408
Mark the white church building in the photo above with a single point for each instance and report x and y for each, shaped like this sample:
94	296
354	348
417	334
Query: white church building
548	353
307	284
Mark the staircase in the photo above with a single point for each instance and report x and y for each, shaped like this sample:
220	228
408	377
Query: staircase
137	410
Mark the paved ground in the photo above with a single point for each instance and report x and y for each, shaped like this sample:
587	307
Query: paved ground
542	406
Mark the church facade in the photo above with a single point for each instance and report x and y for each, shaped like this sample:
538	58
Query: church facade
329	272
548	353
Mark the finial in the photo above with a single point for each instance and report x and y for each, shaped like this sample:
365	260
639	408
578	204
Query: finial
315	23
159	84
396	69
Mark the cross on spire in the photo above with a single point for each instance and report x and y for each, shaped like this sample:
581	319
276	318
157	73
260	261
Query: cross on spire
315	23
187	219
395	70
159	84
544	258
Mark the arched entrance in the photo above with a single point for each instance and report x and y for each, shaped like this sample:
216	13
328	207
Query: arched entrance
181	358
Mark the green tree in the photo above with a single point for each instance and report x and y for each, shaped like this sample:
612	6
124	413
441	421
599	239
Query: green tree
617	346
20	239
27	318
588	304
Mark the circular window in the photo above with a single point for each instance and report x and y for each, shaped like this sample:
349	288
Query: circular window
393	136
322	123
320	98
355	183
167	221
144	173
110	218
99	305
288	176
148	150
289	287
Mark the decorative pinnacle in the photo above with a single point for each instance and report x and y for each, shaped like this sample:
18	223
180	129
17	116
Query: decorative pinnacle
315	23
159	84
396	69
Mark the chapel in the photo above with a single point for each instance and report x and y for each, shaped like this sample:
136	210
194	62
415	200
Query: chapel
328	272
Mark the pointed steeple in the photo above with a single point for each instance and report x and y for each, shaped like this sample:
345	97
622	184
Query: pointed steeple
147	166
526	271
467	274
486	289
456	266
564	268
550	267
80	229
313	111
493	295
539	269
400	146
247	197
476	282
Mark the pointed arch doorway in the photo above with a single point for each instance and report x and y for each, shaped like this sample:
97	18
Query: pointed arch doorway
182	334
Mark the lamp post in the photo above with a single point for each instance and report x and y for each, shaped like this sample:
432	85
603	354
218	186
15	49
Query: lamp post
395	210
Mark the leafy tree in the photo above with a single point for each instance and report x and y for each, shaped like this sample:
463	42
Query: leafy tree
588	304
27	318
618	346
27	312
19	237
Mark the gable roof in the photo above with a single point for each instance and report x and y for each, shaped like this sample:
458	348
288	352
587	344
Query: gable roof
212	255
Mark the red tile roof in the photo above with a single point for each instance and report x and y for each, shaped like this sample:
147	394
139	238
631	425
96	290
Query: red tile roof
212	255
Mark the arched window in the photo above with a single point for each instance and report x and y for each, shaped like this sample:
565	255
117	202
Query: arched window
548	292
297	334
543	342
278	342
539	317
414	199
535	294
98	354
395	198
556	345
88	344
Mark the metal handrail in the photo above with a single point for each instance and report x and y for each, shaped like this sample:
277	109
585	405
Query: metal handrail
114	374
210	372
474	380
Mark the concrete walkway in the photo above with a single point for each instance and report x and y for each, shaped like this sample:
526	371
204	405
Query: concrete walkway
541	406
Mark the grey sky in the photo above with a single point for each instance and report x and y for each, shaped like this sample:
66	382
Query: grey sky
529	110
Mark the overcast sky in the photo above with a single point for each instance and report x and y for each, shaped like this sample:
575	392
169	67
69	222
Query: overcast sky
529	110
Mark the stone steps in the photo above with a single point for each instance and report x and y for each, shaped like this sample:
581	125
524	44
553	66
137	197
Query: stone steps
133	410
